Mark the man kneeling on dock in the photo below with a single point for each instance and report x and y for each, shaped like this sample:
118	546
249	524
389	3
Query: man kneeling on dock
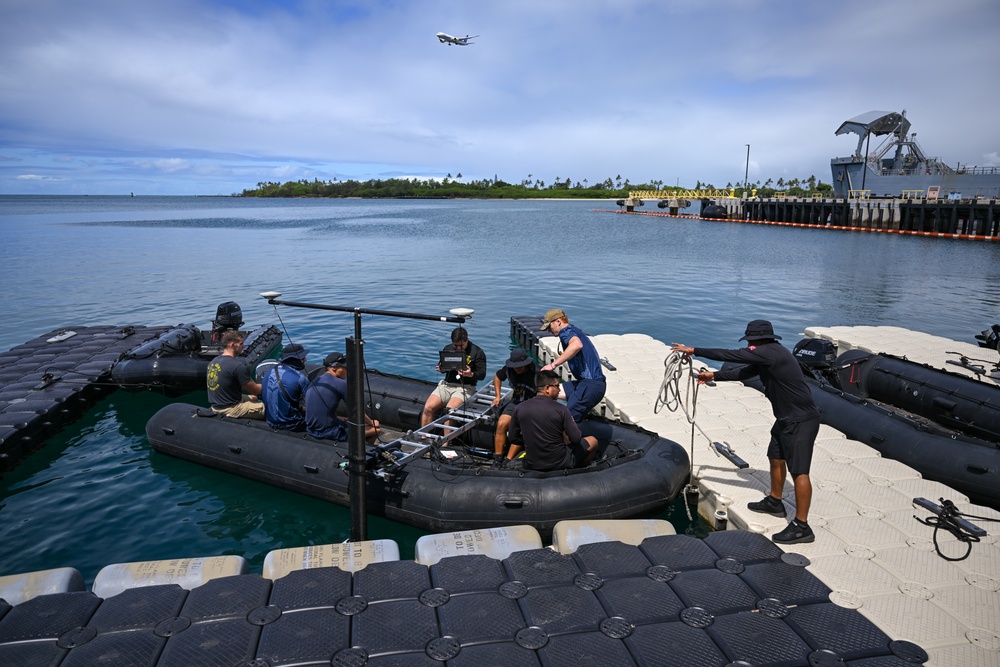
228	378
545	428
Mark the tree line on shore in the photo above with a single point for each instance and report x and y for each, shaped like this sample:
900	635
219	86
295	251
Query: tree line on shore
448	187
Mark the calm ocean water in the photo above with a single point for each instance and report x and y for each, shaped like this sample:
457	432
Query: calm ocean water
97	494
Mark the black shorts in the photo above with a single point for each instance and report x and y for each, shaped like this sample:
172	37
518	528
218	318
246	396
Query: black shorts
576	454
793	443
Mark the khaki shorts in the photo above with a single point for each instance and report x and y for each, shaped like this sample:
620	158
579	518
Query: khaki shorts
448	390
243	410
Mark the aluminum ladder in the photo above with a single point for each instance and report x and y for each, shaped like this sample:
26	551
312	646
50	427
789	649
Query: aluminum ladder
476	410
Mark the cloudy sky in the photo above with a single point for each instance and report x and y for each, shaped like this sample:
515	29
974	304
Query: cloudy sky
210	97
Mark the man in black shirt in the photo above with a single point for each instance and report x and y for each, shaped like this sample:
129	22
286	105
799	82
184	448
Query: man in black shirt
457	386
519	372
546	430
796	417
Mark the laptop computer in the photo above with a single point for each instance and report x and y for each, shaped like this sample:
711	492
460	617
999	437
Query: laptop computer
452	359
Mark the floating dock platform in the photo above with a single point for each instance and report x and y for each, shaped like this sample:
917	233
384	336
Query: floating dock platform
870	549
50	381
874	588
733	598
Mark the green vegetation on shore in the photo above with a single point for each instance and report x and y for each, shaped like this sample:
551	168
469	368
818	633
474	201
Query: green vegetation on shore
448	187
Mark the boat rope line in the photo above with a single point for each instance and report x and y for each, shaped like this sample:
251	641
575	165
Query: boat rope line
676	366
948	517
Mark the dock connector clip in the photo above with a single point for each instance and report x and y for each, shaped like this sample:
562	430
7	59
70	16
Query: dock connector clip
725	450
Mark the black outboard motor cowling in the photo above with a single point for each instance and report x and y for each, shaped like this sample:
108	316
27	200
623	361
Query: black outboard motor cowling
228	315
817	354
990	338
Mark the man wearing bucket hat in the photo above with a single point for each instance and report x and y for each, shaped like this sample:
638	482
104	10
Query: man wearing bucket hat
796	417
324	395
589	384
284	387
519	372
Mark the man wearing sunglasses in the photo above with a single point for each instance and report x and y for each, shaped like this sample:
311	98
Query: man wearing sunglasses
546	430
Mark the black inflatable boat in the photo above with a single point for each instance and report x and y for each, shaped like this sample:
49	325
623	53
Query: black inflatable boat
637	473
176	361
942	424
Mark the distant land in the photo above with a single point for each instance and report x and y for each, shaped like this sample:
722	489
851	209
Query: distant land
454	188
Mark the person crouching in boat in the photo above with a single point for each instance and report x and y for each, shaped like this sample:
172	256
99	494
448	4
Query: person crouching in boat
796	424
228	378
284	388
457	385
545	428
323	396
519	372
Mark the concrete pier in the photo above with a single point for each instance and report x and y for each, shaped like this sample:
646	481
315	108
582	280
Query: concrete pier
977	219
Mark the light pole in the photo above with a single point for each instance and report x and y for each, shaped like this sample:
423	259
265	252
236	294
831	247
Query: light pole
746	176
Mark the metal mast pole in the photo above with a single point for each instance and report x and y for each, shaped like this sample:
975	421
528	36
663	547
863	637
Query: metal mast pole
356	404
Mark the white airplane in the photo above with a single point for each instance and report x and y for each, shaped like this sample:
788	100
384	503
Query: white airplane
445	38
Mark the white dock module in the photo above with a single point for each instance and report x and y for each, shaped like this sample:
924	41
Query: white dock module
493	542
188	573
349	556
18	588
568	536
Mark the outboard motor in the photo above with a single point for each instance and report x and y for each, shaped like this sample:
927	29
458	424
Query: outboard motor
815	354
227	316
990	338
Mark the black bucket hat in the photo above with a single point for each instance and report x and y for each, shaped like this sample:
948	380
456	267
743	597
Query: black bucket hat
518	358
759	330
294	351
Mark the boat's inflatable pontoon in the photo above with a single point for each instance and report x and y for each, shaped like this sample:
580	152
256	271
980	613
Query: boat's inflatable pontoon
637	474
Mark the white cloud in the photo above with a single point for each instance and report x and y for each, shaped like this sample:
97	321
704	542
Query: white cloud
36	177
211	95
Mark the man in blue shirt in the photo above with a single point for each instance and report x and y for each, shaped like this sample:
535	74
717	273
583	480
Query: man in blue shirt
283	389
323	397
589	385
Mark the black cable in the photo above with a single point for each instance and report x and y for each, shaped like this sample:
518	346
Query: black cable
947	519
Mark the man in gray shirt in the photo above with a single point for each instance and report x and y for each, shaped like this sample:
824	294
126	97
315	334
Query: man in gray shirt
228	378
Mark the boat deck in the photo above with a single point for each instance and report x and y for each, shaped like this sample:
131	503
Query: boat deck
869	549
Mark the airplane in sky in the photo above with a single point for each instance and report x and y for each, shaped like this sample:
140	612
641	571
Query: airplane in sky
445	38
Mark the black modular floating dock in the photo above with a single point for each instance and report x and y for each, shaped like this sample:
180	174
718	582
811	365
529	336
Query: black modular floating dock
733	598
